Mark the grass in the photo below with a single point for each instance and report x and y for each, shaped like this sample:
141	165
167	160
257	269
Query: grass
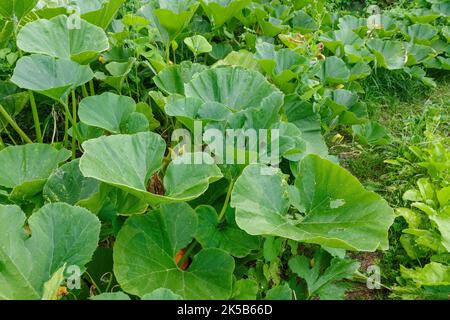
407	109
411	113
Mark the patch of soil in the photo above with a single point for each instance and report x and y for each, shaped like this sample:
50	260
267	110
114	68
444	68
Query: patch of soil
360	291
366	259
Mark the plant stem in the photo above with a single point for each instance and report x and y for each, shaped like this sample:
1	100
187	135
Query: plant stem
174	57
136	65
2	144
168	54
66	130
188	253
89	278
37	123
227	200
74	129
7	132
91	88
13	124
358	276
84	91
69	114
109	282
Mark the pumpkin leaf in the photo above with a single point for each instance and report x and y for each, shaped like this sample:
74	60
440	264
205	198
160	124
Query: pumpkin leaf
61	235
52	77
213	233
390	54
128	162
107	111
221	11
329	214
152	242
18	8
198	44
25	169
55	39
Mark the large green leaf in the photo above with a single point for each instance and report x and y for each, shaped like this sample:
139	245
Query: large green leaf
421	34
442	221
245	289
123	160
282	65
386	27
432	274
172	79
102	14
225	235
303	22
418	53
145	250
18	8
355	55
118	73
270	25
54	38
231	87
371	133
322	279
350	22
344	107
6	31
303	115
189	109
68	185
421	15
122	202
280	292
171	17
162	294
359	70
291	144
198	44
241	58
98	12
12	99
107	111
335	209
26	168
336	40
442	7
49	76
228	88
128	162
390	54
221	11
334	71
61	235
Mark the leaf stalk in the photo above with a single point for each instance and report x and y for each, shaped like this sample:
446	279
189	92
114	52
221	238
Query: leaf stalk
13	124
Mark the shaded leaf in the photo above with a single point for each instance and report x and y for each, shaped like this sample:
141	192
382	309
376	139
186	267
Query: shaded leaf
152	242
227	236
